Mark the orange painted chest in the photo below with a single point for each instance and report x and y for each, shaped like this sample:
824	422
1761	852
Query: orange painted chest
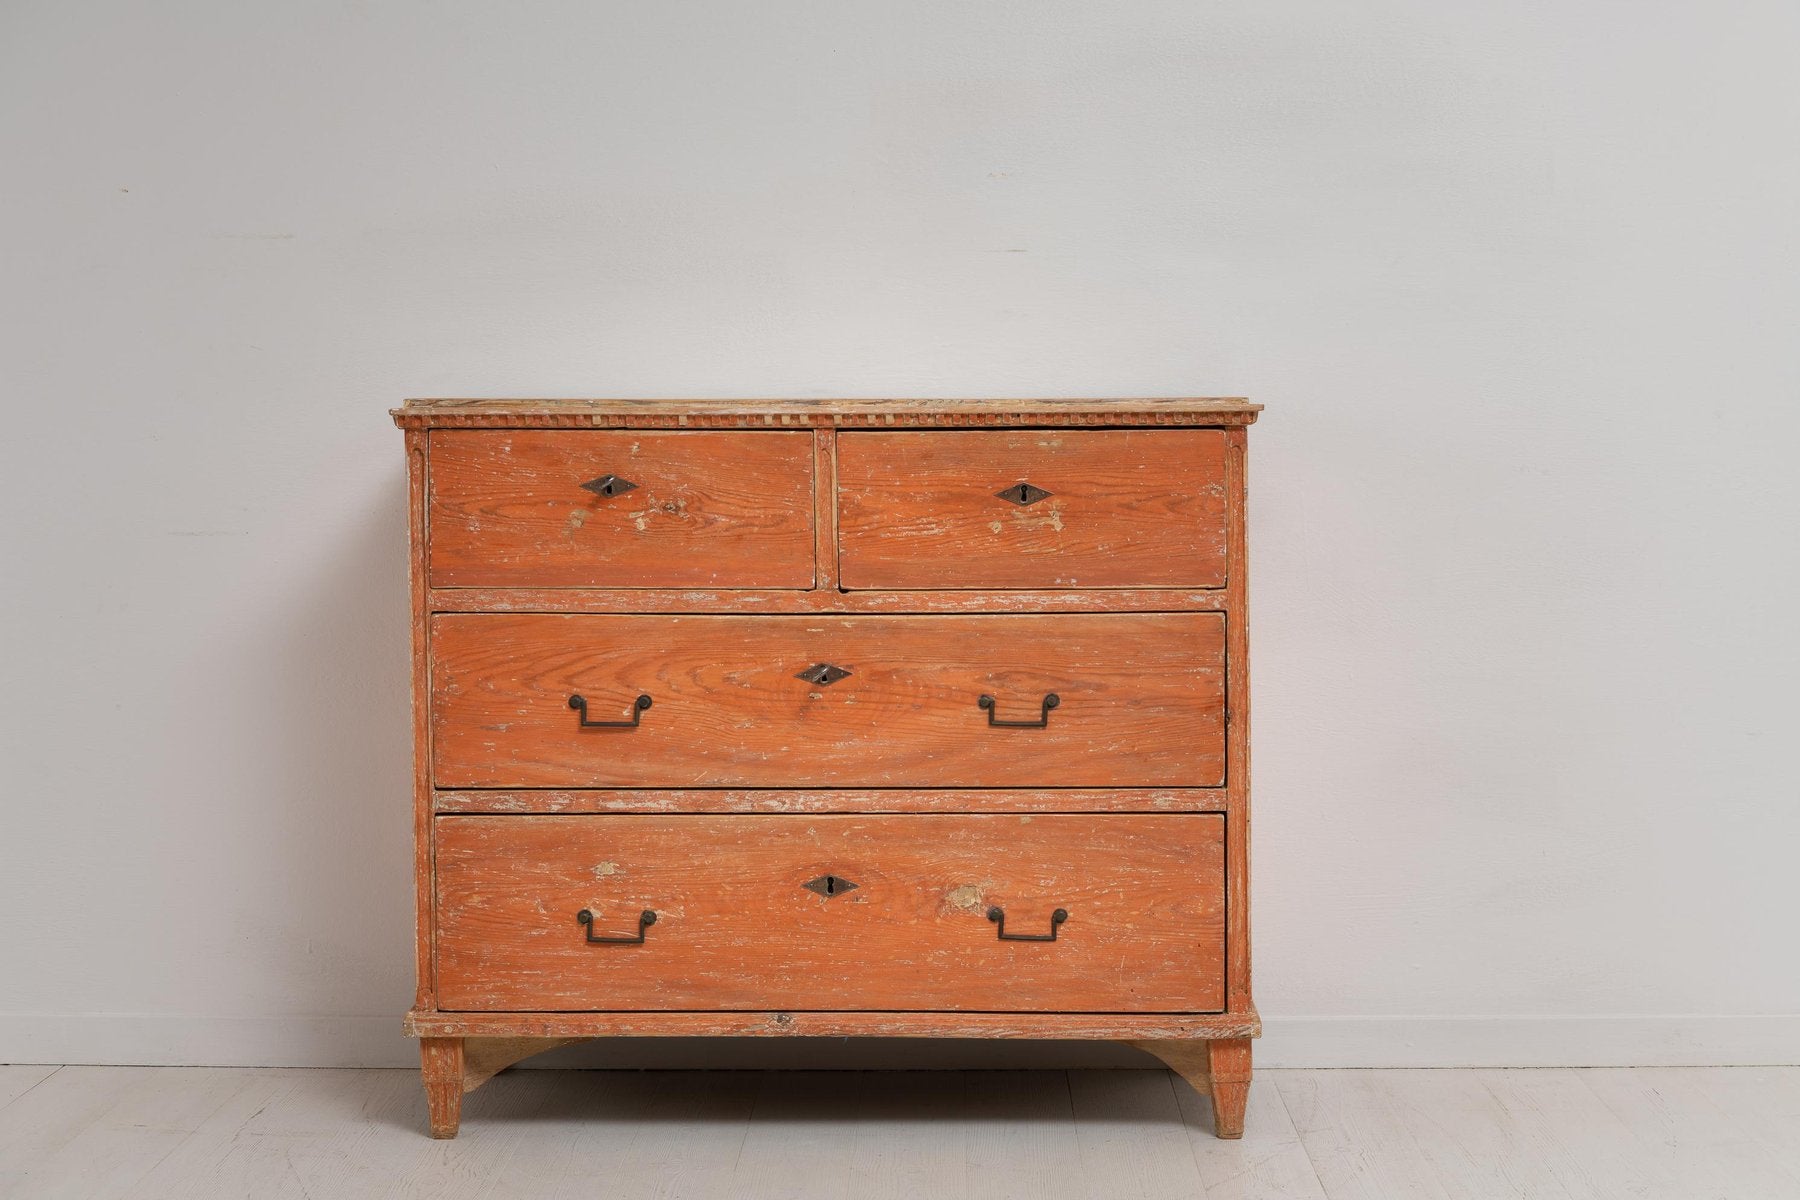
830	718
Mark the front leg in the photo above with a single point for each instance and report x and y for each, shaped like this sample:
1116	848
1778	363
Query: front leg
1215	1067
1229	1066
441	1063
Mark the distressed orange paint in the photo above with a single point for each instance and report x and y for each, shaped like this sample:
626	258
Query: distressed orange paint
761	537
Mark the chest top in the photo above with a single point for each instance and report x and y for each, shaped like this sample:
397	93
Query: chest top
848	414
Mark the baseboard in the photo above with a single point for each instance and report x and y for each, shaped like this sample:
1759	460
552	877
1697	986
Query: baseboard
151	1040
1596	1041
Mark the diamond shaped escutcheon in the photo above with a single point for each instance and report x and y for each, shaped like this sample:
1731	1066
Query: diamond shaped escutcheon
829	885
608	485
823	674
1022	493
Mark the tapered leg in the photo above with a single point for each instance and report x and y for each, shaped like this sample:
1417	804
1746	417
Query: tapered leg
1219	1068
1229	1067
441	1063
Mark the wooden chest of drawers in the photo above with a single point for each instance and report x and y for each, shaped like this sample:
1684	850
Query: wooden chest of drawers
830	718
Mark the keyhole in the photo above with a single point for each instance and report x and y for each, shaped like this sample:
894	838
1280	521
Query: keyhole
829	886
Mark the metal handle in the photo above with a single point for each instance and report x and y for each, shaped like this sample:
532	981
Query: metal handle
1051	700
579	704
998	917
646	919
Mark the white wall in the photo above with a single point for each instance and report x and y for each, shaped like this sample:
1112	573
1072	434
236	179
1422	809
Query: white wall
1519	283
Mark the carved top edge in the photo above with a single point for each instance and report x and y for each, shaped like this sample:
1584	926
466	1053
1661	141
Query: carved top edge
802	413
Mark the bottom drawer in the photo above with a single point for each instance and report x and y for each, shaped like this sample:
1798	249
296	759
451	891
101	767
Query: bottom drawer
887	913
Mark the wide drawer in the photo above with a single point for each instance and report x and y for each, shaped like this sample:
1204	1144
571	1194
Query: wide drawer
1058	700
621	509
1099	509
760	913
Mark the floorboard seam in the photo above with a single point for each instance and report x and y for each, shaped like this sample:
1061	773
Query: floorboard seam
1301	1139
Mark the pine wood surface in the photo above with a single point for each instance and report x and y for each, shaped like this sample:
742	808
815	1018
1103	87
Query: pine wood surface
417	474
1126	600
735	928
1126	509
843	413
1237	732
1141	701
1111	1026
823	800
820	600
708	509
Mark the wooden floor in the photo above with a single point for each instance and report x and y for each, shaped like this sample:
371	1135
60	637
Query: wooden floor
1687	1133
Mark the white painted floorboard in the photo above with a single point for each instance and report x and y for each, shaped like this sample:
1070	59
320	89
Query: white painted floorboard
1696	1133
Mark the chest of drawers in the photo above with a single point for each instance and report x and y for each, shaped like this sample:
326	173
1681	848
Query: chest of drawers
830	718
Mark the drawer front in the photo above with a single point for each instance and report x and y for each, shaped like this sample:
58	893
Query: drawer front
1121	508
745	920
535	508
1139	701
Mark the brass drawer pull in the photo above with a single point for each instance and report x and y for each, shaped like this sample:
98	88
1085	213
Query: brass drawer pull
579	704
998	916
646	919
1050	701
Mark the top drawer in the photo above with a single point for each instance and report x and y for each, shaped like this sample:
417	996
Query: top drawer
1101	509
534	508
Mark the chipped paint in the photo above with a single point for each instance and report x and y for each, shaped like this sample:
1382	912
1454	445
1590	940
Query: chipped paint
966	897
849	761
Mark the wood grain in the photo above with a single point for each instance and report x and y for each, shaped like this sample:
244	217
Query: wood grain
709	509
824	800
805	412
1218	1068
484	1058
416	474
714	582
1111	1026
1142	701
441	1064
735	929
700	600
825	531
1237	728
1228	1069
1127	508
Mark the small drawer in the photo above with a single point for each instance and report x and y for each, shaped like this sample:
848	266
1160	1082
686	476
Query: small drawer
1045	700
620	509
1098	509
1046	913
